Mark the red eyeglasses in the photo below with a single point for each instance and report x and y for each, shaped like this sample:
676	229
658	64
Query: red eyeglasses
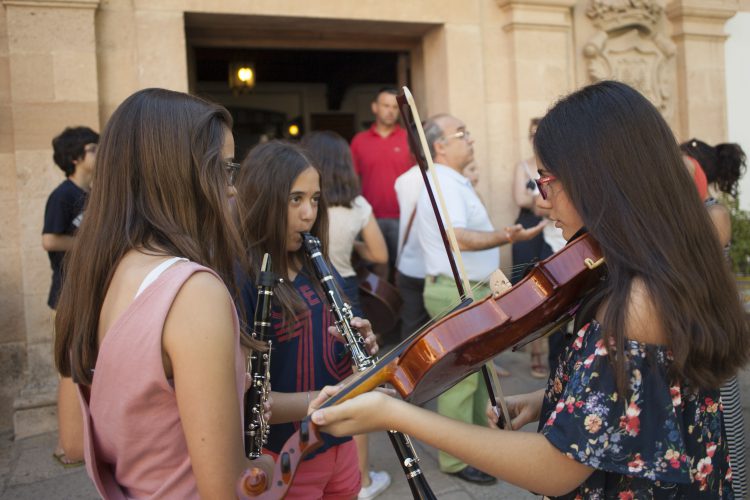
541	184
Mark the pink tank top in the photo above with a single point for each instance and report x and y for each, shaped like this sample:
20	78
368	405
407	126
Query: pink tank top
134	444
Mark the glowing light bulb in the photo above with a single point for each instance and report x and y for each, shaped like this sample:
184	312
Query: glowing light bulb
245	74
293	130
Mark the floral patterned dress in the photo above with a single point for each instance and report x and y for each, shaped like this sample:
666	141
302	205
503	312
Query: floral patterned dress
666	441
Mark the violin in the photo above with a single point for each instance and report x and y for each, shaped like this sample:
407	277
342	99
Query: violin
442	354
380	301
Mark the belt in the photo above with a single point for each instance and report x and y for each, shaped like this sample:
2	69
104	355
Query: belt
435	279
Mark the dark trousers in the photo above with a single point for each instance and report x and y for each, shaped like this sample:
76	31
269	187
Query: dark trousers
389	228
413	312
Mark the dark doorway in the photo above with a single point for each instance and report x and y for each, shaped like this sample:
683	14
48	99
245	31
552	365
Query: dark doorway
310	89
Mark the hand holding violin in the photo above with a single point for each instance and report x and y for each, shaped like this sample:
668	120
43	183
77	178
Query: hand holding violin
365	413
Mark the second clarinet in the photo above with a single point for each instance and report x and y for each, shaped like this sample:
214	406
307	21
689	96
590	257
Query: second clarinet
259	365
342	313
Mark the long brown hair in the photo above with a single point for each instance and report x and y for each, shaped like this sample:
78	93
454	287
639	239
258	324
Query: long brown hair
159	185
263	186
619	163
331	154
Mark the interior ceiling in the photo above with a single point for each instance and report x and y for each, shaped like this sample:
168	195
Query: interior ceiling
336	52
228	30
307	66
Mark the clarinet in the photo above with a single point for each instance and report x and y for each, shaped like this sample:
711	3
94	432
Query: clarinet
355	343
259	365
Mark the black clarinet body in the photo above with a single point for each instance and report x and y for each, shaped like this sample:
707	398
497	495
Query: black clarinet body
342	313
259	365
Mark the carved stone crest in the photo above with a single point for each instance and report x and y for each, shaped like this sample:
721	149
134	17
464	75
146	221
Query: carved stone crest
629	47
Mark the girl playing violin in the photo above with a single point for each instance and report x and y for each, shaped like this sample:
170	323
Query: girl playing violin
279	196
633	409
146	326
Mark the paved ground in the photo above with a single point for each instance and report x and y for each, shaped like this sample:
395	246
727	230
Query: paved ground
28	471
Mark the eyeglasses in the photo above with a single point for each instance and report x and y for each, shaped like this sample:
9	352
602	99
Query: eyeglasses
461	134
231	169
541	184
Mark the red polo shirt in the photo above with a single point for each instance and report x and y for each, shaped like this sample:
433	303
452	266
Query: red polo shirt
379	161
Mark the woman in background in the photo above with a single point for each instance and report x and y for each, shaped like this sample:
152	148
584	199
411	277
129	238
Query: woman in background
723	165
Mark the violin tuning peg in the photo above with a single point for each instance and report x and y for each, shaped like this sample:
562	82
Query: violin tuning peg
286	465
304	431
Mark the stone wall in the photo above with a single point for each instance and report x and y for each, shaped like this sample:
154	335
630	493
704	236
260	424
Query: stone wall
493	63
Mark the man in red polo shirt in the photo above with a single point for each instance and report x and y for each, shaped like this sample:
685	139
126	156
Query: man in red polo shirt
380	155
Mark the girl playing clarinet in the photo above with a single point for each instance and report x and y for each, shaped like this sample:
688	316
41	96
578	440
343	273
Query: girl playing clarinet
279	196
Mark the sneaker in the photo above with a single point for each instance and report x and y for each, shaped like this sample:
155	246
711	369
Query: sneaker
380	481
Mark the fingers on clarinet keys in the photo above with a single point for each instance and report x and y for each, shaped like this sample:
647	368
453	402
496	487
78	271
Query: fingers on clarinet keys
474	475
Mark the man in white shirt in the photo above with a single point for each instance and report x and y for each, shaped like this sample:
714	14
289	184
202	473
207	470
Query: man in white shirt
451	147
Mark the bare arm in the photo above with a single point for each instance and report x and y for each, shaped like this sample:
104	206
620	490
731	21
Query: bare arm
69	419
57	242
199	343
722	222
494	451
290	406
372	247
481	240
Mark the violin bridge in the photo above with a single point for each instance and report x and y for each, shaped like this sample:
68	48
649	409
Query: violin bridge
499	283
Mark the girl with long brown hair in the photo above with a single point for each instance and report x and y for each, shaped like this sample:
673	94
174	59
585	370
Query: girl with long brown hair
279	196
146	325
633	408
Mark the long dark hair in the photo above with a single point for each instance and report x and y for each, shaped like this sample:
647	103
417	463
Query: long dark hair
331	154
620	165
263	185
723	164
160	186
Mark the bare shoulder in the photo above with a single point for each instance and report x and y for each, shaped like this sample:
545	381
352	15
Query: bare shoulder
643	321
202	307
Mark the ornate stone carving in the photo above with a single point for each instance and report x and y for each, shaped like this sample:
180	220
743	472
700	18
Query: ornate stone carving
630	47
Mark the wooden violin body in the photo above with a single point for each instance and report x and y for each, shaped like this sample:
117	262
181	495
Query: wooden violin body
436	358
380	301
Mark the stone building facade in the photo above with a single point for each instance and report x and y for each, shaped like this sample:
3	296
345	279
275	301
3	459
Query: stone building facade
494	63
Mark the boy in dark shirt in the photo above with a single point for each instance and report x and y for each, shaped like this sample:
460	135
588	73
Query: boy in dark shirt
74	153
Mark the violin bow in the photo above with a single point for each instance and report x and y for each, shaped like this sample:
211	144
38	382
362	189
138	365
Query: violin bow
419	146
